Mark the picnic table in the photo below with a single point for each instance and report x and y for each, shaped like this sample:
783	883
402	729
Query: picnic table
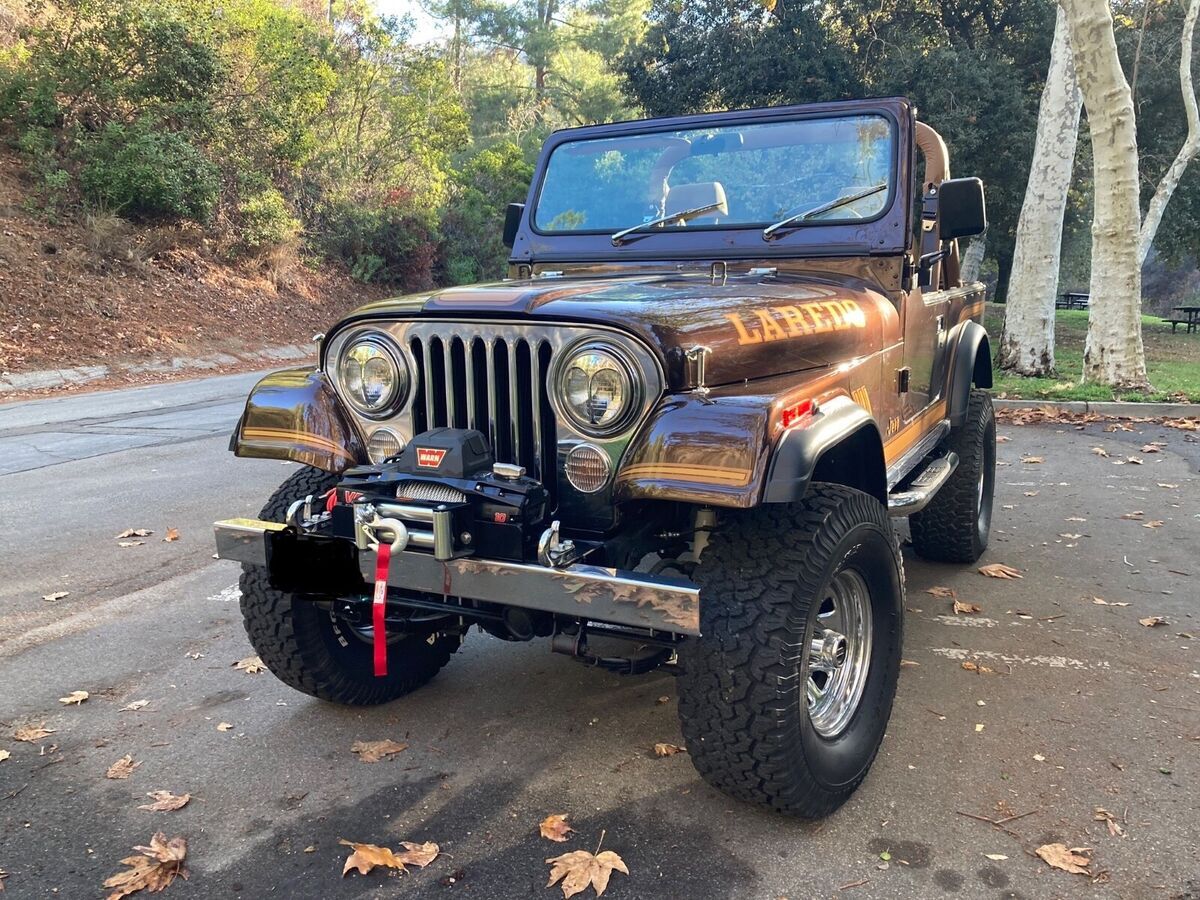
1188	315
1073	300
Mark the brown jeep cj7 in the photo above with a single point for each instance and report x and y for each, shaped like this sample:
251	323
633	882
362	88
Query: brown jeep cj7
730	346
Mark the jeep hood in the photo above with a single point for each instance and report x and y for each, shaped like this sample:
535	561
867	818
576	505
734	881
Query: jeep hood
755	327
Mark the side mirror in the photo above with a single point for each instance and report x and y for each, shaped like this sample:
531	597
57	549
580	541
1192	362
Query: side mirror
961	210
512	221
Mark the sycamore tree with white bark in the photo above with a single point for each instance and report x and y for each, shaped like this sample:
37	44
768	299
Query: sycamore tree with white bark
1085	70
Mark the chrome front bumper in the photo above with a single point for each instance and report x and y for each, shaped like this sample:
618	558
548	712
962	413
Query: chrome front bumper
589	592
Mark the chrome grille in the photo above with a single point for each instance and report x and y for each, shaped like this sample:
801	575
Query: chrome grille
493	383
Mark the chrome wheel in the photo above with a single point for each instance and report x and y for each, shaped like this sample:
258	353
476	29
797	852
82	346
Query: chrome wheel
839	654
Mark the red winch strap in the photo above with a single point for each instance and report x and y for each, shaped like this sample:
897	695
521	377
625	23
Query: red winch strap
379	608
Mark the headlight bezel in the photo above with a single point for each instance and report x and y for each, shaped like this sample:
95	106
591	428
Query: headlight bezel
634	381
387	349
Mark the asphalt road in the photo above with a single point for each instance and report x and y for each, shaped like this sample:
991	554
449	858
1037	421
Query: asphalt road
1083	707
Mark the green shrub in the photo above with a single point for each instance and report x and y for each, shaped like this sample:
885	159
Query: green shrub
142	172
267	221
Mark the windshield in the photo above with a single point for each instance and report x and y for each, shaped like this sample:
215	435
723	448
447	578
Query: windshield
748	176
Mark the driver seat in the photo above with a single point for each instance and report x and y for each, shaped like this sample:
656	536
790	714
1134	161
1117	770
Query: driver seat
683	197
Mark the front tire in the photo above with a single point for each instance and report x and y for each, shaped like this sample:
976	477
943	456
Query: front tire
955	526
306	647
754	689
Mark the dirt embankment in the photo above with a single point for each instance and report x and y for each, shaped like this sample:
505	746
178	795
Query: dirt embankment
95	290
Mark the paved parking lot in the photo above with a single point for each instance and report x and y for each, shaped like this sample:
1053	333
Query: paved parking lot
1072	704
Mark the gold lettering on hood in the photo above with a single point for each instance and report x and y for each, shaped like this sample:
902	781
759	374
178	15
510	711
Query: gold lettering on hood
776	323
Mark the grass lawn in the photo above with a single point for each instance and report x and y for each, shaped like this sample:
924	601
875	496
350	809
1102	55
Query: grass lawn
1172	361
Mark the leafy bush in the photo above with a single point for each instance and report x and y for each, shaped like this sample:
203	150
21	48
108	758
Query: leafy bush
142	171
267	221
395	244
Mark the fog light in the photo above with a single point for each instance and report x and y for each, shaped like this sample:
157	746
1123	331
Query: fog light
587	468
384	444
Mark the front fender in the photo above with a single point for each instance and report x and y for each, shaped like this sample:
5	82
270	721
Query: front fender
972	365
295	415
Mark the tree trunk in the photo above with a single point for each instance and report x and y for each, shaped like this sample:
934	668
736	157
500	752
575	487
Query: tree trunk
1113	353
1027	345
1170	180
972	259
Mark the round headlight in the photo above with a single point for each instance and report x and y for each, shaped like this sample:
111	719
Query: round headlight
597	388
372	376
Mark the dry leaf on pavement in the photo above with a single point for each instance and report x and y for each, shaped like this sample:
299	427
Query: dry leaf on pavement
909	664
134	532
165	801
127	544
662	749
975	667
1135	460
134	706
940	591
122	768
999	570
74	698
57	595
1069	859
1032	460
368	856
1100	451
1151	448
251	665
555	827
224	726
1152	621
172	535
4	754
31	734
374	751
967	608
1137	515
153	870
1114	827
1155	523
1002	439
1100	601
580	868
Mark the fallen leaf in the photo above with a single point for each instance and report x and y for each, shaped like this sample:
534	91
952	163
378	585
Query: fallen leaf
975	667
1135	460
908	663
1168	486
966	608
374	751
1032	460
1074	519
661	749
122	768
1151	448
134	532
57	595
31	734
153	870
1070	537
1155	523
978	727
1100	451
1068	859
165	801
940	591
999	570
134	706
663	699
127	544
1136	515
1100	601
1039	758
368	856
74	698
1152	621
555	827
251	665
995	857
580	868
1002	439
1032	493
172	535
4	754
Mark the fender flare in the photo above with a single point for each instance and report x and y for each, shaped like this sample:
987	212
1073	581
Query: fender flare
806	453
972	365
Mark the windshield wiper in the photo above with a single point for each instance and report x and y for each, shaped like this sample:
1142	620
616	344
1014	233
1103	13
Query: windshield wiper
619	238
770	230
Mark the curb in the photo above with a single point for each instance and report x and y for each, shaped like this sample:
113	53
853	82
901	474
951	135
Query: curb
12	382
1115	408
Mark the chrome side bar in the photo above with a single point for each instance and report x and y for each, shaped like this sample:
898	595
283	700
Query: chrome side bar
923	488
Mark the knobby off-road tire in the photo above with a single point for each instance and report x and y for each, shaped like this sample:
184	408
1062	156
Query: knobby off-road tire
307	648
767	580
954	527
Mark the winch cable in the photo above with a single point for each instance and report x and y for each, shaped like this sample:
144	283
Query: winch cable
379	609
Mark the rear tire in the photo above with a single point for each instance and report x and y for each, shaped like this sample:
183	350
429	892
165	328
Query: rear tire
955	526
306	647
767	581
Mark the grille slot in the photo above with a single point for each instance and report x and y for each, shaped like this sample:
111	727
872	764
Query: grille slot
496	384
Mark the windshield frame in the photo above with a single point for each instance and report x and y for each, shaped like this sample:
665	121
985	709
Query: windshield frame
536	196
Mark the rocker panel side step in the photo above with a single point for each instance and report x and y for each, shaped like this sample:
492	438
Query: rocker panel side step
920	490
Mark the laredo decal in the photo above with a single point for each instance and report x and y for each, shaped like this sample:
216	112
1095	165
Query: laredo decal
777	323
430	457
